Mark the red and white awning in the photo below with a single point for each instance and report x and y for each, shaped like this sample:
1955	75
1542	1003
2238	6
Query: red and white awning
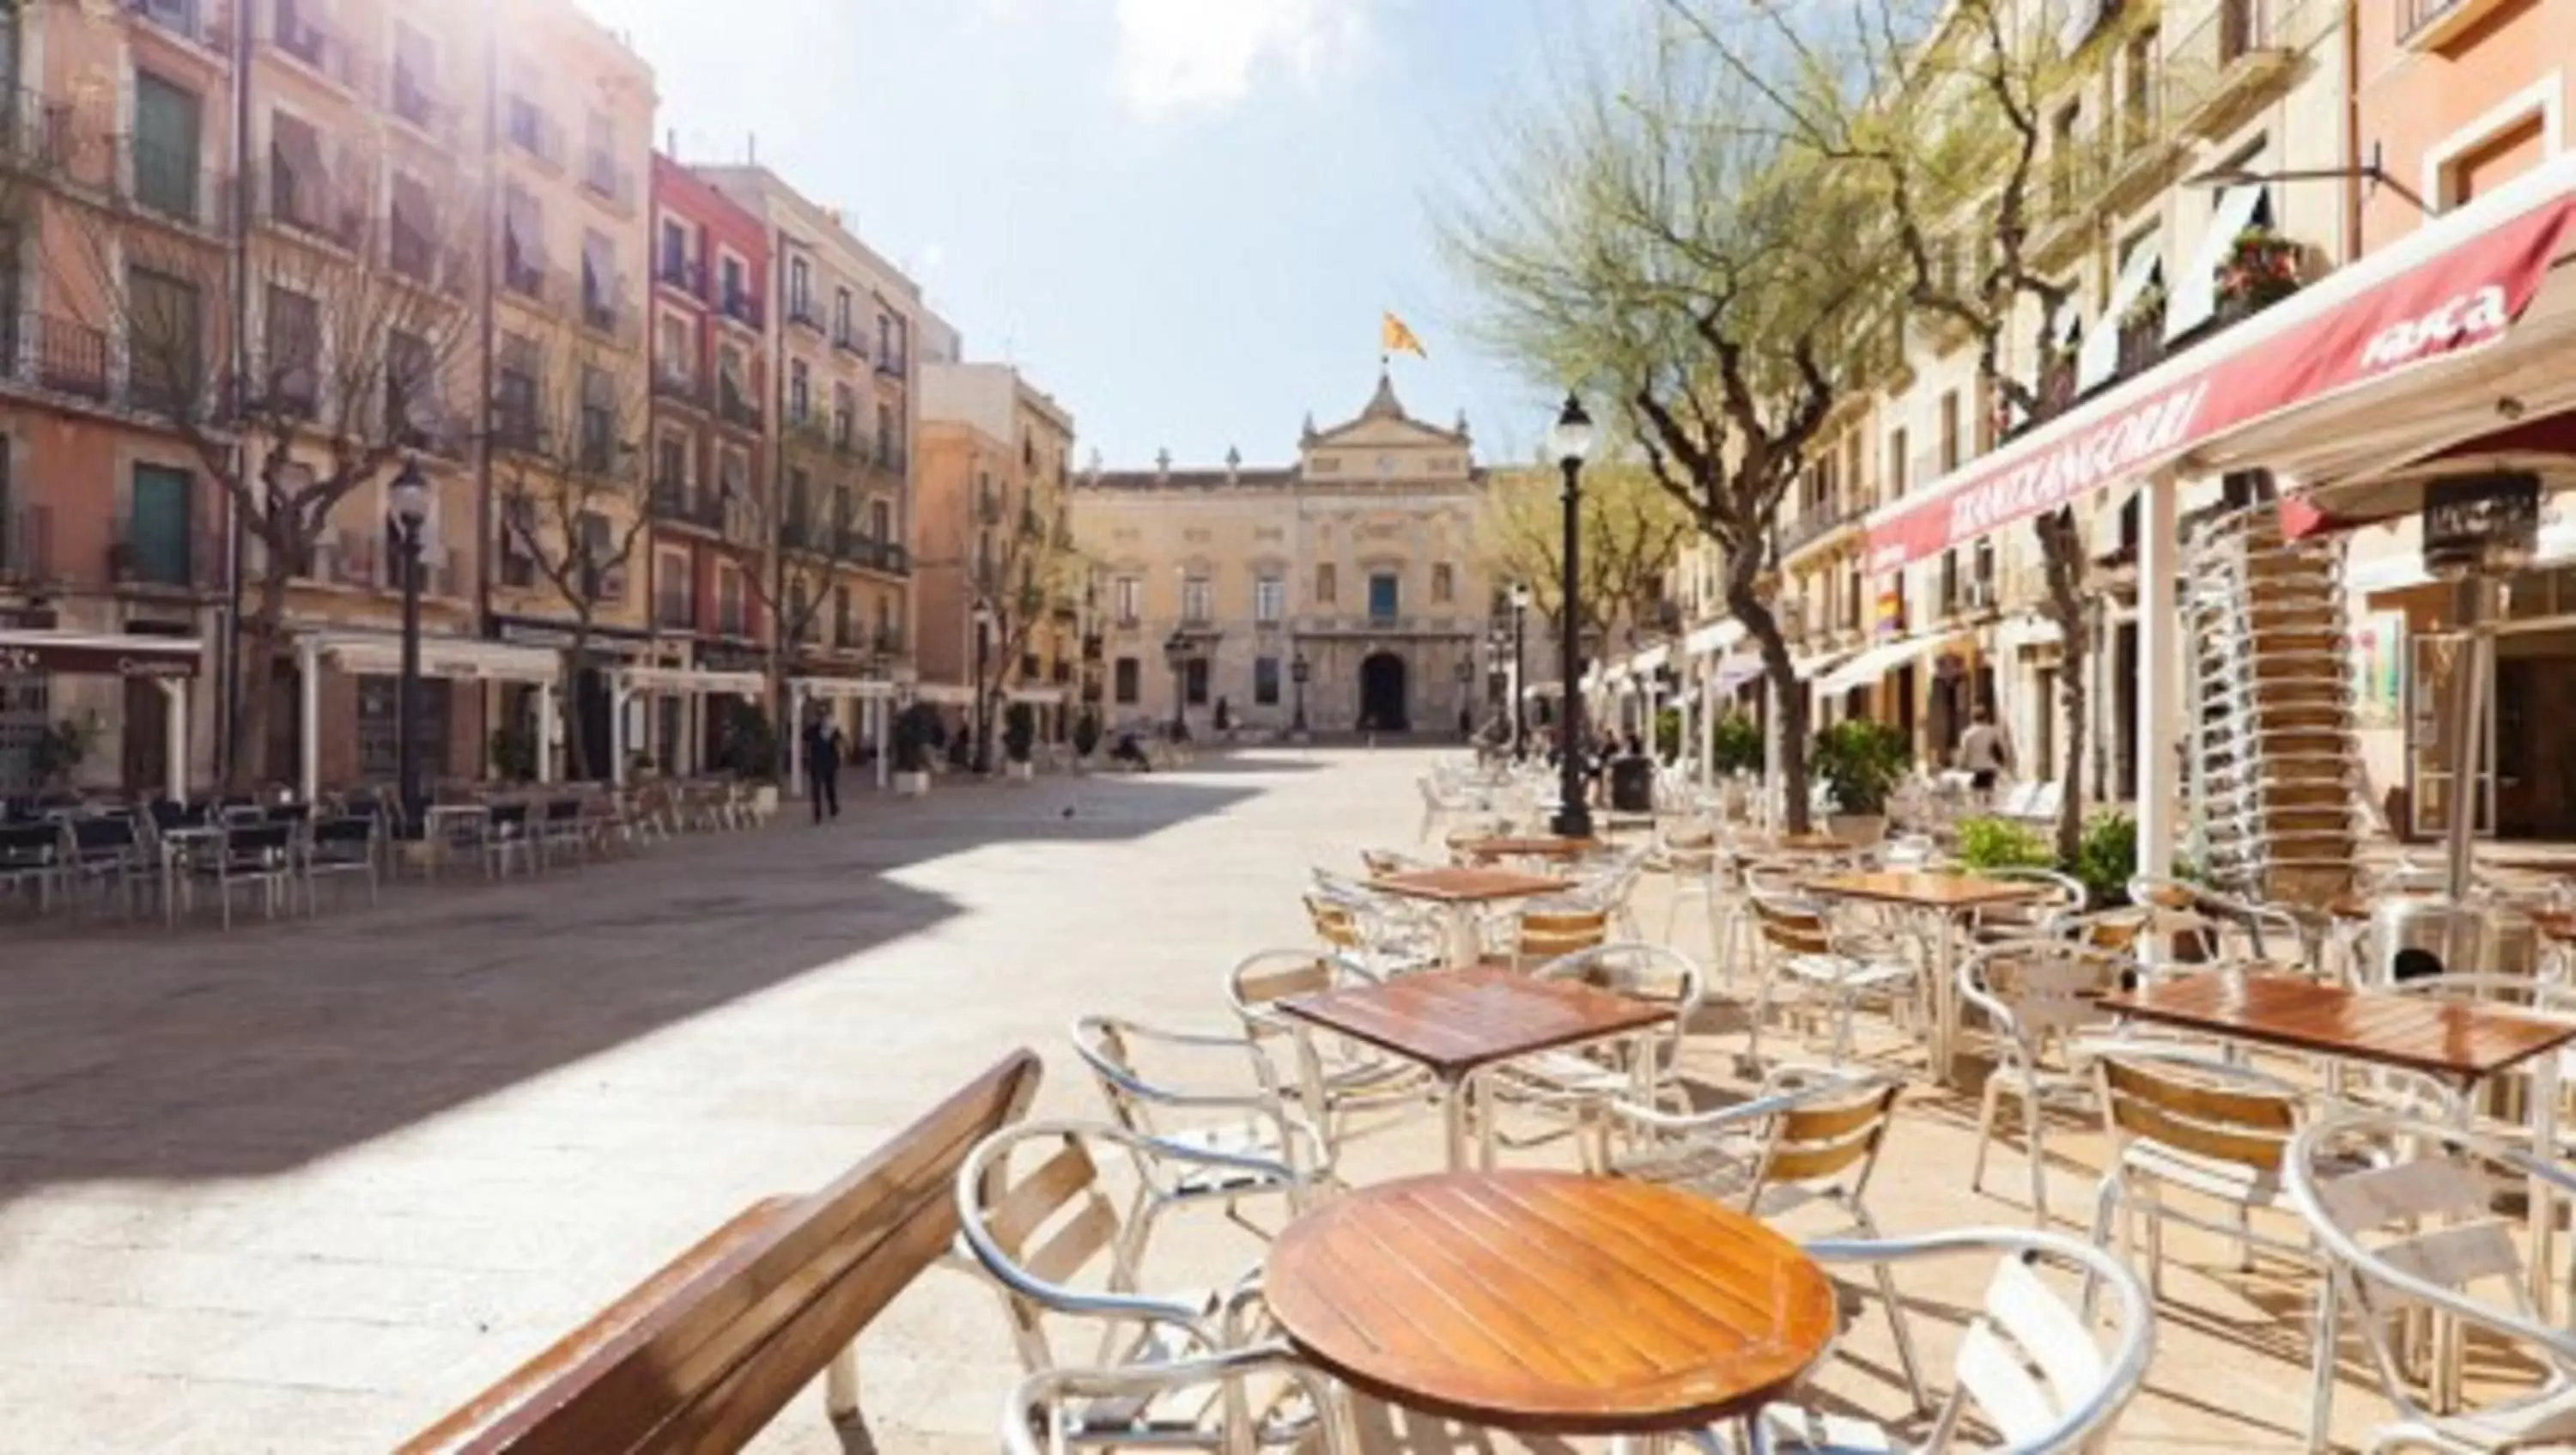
2451	289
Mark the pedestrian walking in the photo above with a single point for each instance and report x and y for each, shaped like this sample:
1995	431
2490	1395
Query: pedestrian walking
1984	751
823	766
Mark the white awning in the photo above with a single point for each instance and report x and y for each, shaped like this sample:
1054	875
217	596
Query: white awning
1737	670
1650	661
690	680
944	694
2404	568
1713	638
2015	632
2193	300
1878	661
465	658
843	688
1036	696
2099	360
1808	666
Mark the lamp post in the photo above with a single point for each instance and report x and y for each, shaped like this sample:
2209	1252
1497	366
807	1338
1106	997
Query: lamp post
983	618
1520	693
1569	442
1466	713
1298	671
407	512
1176	655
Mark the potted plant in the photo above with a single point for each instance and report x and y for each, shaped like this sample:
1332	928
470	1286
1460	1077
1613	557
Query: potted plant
2262	268
1019	739
916	737
1860	762
751	754
1988	844
1668	734
514	753
1738	744
1086	735
2106	859
2142	331
62	748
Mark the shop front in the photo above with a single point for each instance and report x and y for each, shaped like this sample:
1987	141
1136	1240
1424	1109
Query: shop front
348	720
157	674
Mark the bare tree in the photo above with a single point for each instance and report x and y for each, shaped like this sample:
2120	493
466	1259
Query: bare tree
1723	295
357	321
566	426
808	518
1938	107
1020	561
1632	531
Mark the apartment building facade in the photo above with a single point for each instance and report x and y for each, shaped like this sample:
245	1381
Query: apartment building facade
843	388
998	560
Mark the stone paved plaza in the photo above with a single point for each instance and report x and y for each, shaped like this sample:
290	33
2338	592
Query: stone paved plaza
304	1186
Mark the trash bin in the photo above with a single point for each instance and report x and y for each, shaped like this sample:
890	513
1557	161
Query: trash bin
1632	784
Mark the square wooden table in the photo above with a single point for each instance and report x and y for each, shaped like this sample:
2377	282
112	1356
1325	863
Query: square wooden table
1455	1022
1483	851
1457	892
1939	900
2460	1044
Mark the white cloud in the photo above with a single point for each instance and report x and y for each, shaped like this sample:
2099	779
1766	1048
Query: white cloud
1180	55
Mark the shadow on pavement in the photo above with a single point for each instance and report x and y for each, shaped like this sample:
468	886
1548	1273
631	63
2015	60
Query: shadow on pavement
131	1053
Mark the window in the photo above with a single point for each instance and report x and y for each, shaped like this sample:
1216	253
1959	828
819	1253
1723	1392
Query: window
2065	132
518	525
410	247
2138	87
1269	599
1265	681
676	359
599	443
1194	681
415	75
2491	163
294	381
845	329
1125	681
1385	595
842	626
800	391
671	464
523	242
1897	463
166	141
1949	431
1126	595
671	604
880	521
1324	592
888	443
675	252
164	340
1442	585
736	297
380	725
411	385
298	187
598	280
729	375
599	157
158	532
800	288
731	619
1194	599
845	416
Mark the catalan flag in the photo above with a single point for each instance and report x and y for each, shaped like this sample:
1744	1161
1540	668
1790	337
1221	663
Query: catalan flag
1394	338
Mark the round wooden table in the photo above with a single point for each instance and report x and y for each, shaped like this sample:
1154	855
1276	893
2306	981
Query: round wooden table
1550	1303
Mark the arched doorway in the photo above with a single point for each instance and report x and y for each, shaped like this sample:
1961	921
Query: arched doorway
1382	694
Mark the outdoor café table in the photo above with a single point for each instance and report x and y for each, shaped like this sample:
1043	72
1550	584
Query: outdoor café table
1456	893
1454	1022
1548	1303
2458	1043
1940	900
442	819
1483	852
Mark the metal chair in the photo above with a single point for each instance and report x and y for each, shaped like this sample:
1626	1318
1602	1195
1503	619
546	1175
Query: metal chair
1816	959
1035	1230
1163	1405
350	845
2424	1195
560	833
2082	1382
1546	931
1335	1076
34	854
109	854
2062	896
258	855
2036	991
1574	1088
1808	1138
1262	1122
507	833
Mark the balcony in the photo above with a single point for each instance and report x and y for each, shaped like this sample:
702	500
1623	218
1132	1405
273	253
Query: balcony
608	313
848	342
2239	57
317	48
2429	25
190	21
892	460
805	313
733	621
69	357
677	502
601	177
1818	520
681	273
893	364
678	386
736	407
411	255
308	205
523	272
741	308
27	544
674	611
170	564
526	126
414	100
171	183
2062	206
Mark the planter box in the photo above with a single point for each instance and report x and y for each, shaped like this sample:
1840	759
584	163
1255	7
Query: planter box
1862	829
1018	771
911	785
764	798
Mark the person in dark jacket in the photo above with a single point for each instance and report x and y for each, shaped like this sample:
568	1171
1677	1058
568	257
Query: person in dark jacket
823	765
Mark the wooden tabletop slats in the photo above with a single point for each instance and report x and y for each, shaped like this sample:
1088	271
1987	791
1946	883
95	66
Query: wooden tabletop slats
1484	850
2450	1039
1460	885
1928	891
1549	1303
1454	1021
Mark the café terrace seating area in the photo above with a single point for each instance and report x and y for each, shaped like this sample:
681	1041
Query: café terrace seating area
1694	1135
78	859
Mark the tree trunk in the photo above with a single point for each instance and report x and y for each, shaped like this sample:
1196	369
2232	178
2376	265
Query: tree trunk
255	668
576	744
1789	717
2062	558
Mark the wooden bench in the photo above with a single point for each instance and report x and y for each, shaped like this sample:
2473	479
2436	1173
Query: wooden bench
703	1354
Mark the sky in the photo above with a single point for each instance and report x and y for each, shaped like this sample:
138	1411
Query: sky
1180	217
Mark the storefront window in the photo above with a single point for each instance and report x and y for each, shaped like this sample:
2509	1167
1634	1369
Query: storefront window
379	737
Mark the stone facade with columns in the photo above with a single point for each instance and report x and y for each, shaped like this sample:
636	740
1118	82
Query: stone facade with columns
1359	559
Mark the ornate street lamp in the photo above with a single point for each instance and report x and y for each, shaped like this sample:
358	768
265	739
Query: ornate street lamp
983	617
1298	671
407	515
1176	655
1569	442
